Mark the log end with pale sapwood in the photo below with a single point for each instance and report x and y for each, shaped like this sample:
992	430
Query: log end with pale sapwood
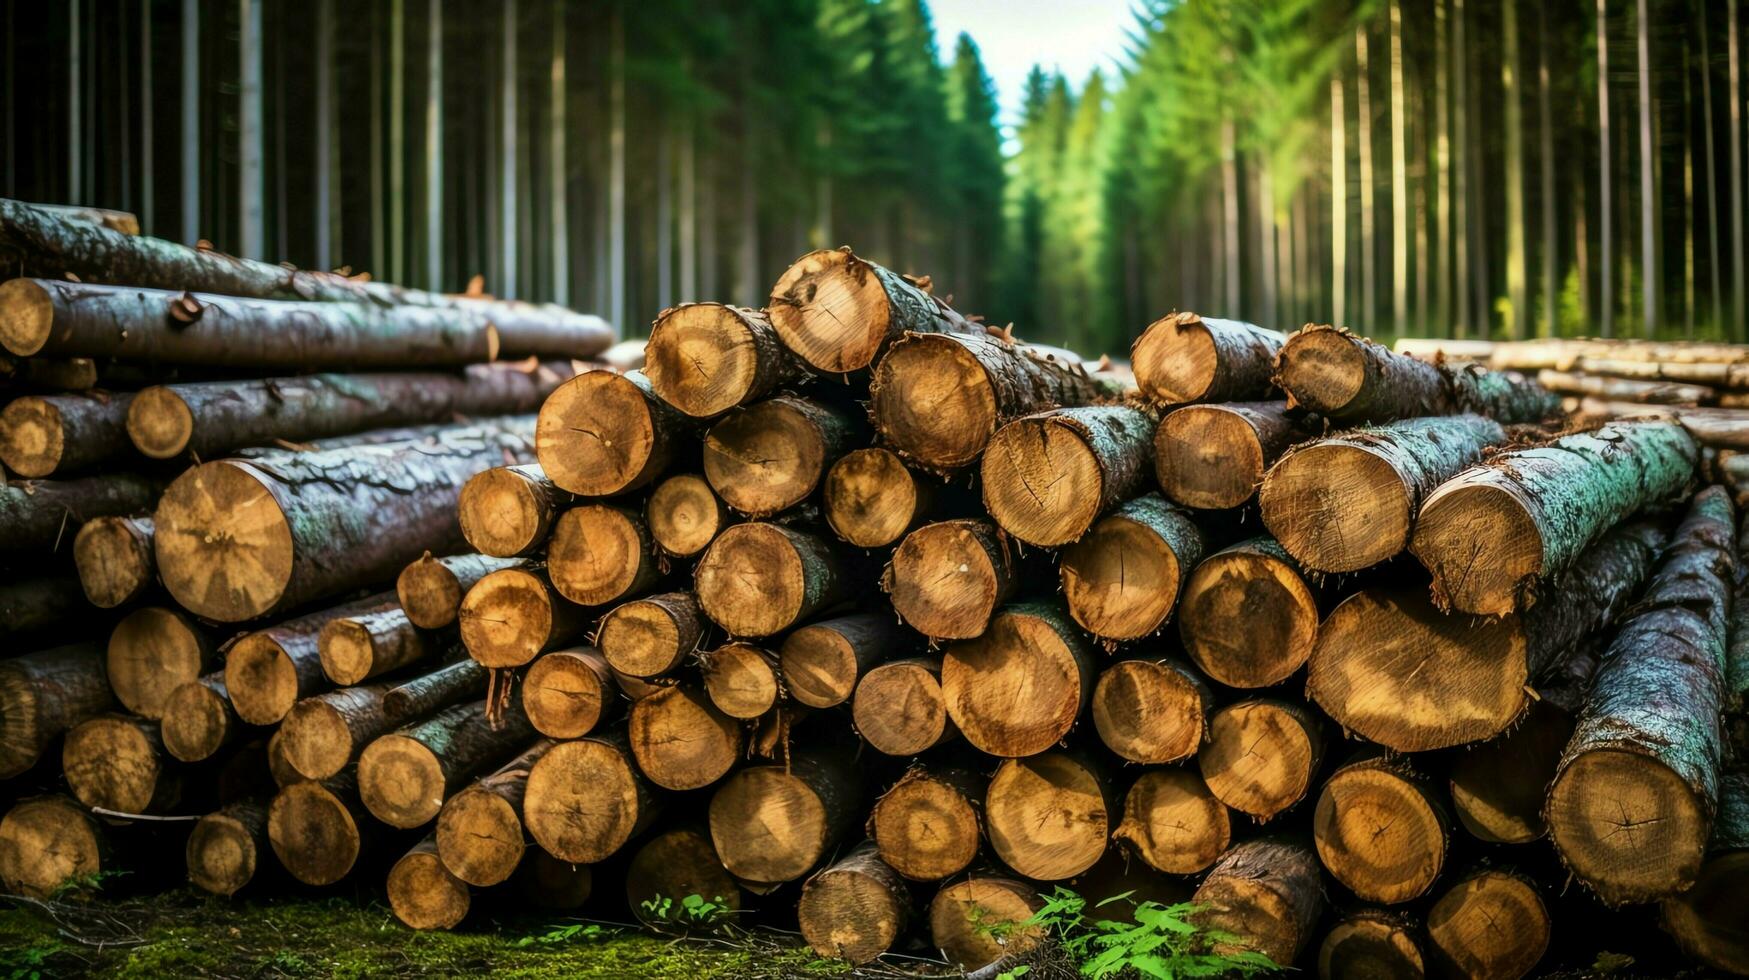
114	558
707	358
507	511
671	867
822	662
226	847
770	824
1049	816
1267	894
900	708
1047	477
480	830
117	762
685	515
1017	690
1151	711
404	776
48	843
742	680
603	433
423	893
680	740
838	312
1372	944
370	642
1213	457
854	909
586	798
1183	357
1123	578
871	498
322	735
770	456
1247	617
927	824
1490	924
314	829
1380	829
965	917
1173	823
567	693
45	435
600	554
1261	756
152	652
513	614
760	579
651	636
946	579
431	589
1498	787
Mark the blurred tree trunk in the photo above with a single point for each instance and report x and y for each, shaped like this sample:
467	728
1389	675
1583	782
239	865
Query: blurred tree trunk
434	146
1399	177
665	214
1649	283
508	234
1517	257
249	138
1546	163
558	167
1442	122
1733	60
1712	177
1605	187
1478	161
616	173
689	212
1460	124
148	102
1230	217
397	270
324	136
75	124
1338	202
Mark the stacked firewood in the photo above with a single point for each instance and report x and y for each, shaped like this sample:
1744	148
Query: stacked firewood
857	607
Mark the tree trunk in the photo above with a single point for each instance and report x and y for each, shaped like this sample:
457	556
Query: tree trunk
770	456
1213	457
947	579
900	708
1373	943
1247	617
199	719
116	763
1546	170
44	694
1512	92
771	824
1350	379
1151	710
684	515
315	829
1636	792
431	589
558	163
1017	689
1651	284
1380	830
423	893
1049	816
1113	601
1442	157
822	662
479	834
270	670
1369	289
514	614
927	825
1047	477
616	167
964	918
1349	502
742	680
1183	358
325	733
680	739
1708	921
1490	924
508	511
707	358
759	579
1739	260
650	637
1625	389
114	559
603	433
226	847
404	777
508	125
569	693
672	867
1172	822
1339	199
839	312
47	844
1605	187
56	434
1491	534
1461	146
1262	756
34	610
855	909
871	498
152	652
441	688
37	516
367	644
1399	175
1470	679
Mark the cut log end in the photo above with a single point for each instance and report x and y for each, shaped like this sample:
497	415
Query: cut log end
742	680
1337	507
685	515
1047	816
48	842
1121	580
430	593
198	719
934	401
222	853
27	315
1493	924
1208	457
1379	833
947	579
1173	823
224	544
820	666
504	511
508	617
832	310
400	781
899	708
114	762
759	579
1266	893
1042	483
480	837
650	637
1628	825
584	801
1323	370
1261	756
964	916
1175	360
261	678
672	866
704	359
769	456
315	739
567	693
1017	689
152	652
1371	945
769	825
681	740
1247	618
114	559
598	435
348	651
1149	711
32	438
1483	547
423	893
926	827
1498	788
871	498
855	909
599	555
160	424
313	833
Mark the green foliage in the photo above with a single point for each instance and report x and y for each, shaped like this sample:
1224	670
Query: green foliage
694	911
1159	942
567	933
1608	963
92	882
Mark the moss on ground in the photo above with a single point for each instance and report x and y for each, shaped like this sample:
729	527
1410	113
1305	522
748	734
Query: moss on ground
185	935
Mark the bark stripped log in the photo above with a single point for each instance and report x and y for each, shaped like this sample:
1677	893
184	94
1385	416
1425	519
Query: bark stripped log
871	498
927	825
1267	894
1172	822
1213	457
1624	389
1047	477
899	707
1124	577
269	670
369	643
152	652
403	777
315	828
685	515
567	693
199	719
1490	924
1373	943
47	843
237	539
965	916
600	554
43	515
771	824
115	559
671	866
423	893
854	909
44	694
1391	667
57	434
1247	617
480	832
1634	798
823	661
508	511
1492	533
1380	829
431	589
603	433
1017	690
937	399
947	579
585	799
512	615
1050	816
760	579
1183	357
462	681
226	847
1710	921
707	358
1347	378
681	740
1151	710
651	636
1348	502
839	312
325	733
117	762
770	456
1262	756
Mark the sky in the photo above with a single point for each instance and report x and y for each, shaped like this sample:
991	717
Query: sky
1075	36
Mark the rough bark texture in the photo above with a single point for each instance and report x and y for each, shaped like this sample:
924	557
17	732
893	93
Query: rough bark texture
1248	618
44	694
1018	689
603	433
838	312
1123	579
769	456
707	358
115	559
760	579
58	434
599	554
871	498
431	589
438	689
1151	711
1634	798
240	539
1348	502
1380	829
1265	892
854	909
1624	389
685	515
1183	357
44	515
771	824
42	608
199	719
947	579
1172	822
1491	533
1491	924
1710	921
479	832
928	826
1048	477
1350	379
899	707
1213	457
403	777
1262	755
356	647
822	662
585	799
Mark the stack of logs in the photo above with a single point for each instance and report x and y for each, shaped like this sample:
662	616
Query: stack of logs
857	607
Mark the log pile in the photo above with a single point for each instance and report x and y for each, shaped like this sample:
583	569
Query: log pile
854	615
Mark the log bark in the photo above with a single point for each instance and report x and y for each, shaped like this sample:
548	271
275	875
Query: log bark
43	695
772	824
423	893
937	399
1380	829
117	762
927	826
1172	822
855	909
871	498
513	615
1017	690
1710	921
115	559
48	843
1564	355
209	419
211	328
1625	389
1248	618
50	374
707	358
1267	894
43	609
403	777
1151	710
1349	502
1123	579
685	515
199	719
1373	943
769	456
152	652
480	833
1050	816
900	709
315	829
1047	477
42	515
1490	924
839	312
431	589
366	644
603	433
51	435
947	579
1350	379
744	681
269	670
681	740
226	847
650	637
324	734
1213	457
1262	756
123	221
1492	533
508	511
439	689
240	539
672	866
1633	800
965	916
759	579
823	661
1392	668
600	554
568	693
585	799
1183	358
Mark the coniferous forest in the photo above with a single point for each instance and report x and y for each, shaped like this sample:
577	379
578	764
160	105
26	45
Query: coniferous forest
1473	168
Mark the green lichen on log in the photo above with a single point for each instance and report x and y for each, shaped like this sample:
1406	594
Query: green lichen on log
1593	593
